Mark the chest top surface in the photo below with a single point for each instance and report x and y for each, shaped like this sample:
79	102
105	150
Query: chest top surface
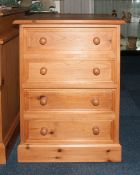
69	18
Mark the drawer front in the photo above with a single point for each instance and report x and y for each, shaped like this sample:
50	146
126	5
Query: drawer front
69	99
70	74
69	130
70	39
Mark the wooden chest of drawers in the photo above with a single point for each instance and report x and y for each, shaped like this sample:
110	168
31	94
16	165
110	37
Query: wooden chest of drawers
9	81
70	90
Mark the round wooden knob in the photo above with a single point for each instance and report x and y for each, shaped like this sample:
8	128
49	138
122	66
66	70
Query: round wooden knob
95	130
43	100
96	71
43	41
96	41
43	71
43	131
95	102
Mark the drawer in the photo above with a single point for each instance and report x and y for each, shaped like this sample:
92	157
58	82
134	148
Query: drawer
69	99
70	130
69	74
70	39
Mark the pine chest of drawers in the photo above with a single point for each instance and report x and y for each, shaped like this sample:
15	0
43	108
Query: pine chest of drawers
70	90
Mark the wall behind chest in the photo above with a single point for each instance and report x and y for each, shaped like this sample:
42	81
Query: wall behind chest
78	6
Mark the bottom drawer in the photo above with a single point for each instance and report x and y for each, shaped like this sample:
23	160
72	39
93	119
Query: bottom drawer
77	131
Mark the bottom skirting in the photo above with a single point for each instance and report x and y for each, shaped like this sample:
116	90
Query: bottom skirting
69	153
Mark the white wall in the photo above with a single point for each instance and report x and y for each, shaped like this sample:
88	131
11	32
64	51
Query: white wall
57	5
106	7
77	6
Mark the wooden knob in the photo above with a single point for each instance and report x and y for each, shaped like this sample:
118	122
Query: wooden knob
95	130
43	41
43	100
43	71
95	102
43	131
96	41
96	71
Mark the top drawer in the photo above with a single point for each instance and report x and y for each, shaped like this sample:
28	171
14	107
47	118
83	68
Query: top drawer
70	39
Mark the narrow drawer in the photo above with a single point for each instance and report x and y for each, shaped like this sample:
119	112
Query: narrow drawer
70	130
69	99
70	39
70	74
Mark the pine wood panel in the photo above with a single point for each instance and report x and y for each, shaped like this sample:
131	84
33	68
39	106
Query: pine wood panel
9	95
70	99
66	115
63	101
69	39
10	90
68	153
0	95
79	116
13	11
2	154
6	20
66	19
70	73
9	106
9	80
43	131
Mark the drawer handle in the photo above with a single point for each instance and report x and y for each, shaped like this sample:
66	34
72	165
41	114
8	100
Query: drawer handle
96	41
96	71
43	41
43	71
43	100
43	131
96	130
95	102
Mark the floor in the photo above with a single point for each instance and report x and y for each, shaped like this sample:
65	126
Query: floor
130	139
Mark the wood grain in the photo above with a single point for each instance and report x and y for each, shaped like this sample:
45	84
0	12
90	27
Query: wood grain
69	131
13	11
9	81
69	19
68	73
2	154
69	153
69	89
9	94
69	39
69	99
